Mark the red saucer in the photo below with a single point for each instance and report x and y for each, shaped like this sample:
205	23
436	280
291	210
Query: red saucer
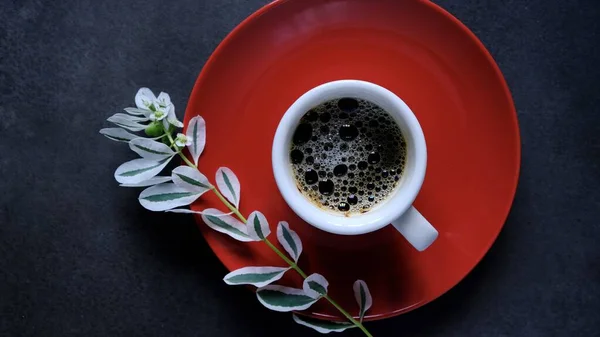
425	56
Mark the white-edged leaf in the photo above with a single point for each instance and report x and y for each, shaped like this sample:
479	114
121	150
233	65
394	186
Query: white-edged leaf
322	326
362	296
189	211
190	179
229	185
315	285
150	182
226	224
150	149
196	131
118	134
138	112
258	227
126	123
289	240
256	276
138	170
144	98
284	299
166	196
129	117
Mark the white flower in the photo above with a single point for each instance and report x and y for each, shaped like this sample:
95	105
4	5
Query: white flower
158	115
183	140
158	108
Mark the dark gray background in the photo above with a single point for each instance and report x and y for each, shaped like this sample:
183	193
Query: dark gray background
78	257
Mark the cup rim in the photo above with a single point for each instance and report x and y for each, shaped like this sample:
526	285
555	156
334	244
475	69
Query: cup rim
404	193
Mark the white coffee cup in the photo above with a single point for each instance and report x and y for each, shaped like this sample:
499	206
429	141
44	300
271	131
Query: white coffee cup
397	209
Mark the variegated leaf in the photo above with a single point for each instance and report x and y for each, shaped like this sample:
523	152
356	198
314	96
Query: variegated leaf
226	224
256	276
229	185
289	240
138	170
150	182
196	131
126	123
118	134
258	227
129	117
363	297
138	112
189	211
150	149
315	286
166	196
322	326
284	299
171	118
190	179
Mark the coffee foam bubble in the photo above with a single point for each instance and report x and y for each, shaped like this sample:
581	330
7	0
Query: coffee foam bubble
347	155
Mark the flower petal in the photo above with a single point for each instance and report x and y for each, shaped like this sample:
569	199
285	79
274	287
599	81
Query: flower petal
172	118
144	98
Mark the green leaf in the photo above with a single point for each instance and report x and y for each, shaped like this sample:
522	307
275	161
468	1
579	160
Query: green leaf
322	326
284	299
256	276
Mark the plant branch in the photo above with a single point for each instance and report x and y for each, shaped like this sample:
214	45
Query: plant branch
277	251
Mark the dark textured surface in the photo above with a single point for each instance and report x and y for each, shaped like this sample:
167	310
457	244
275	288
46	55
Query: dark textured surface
77	258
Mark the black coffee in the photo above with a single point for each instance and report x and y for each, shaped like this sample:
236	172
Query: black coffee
347	155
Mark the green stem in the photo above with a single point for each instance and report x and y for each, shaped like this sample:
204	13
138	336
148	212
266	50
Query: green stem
277	251
189	163
348	316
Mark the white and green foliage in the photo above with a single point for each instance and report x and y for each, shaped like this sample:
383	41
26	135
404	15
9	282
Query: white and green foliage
229	185
321	325
256	276
185	184
258	227
284	299
289	240
226	224
363	297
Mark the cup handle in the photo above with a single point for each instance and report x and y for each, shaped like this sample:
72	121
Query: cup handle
416	229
